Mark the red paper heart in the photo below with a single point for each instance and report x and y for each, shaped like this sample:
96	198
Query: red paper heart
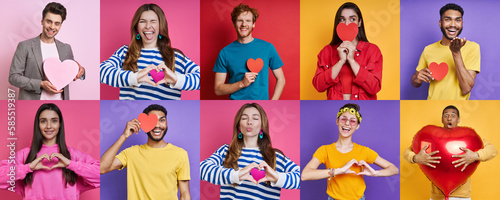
157	76
347	32
255	65
60	73
257	174
438	71
448	142
148	123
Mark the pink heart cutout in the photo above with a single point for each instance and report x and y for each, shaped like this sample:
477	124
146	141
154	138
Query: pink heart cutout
347	32
257	174
148	123
438	71
255	65
60	74
157	76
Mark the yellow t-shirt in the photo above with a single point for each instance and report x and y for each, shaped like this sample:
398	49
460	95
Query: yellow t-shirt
152	173
448	88
345	186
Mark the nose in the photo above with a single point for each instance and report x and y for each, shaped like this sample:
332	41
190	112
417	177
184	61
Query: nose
49	125
249	122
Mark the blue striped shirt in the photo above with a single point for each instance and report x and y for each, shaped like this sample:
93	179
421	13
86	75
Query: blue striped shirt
113	74
213	171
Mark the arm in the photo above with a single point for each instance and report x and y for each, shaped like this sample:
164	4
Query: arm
108	160
190	80
18	68
213	171
288	173
389	169
222	88
86	167
422	157
424	75
184	189
325	77
488	152
113	75
280	83
311	171
369	80
466	78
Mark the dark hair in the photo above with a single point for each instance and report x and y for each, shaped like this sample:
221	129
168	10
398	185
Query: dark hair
452	107
37	141
155	107
451	6
55	8
244	8
361	32
352	105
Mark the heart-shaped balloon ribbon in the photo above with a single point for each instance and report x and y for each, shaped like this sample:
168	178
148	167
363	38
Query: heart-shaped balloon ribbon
257	174
60	73
448	142
157	76
148	123
255	65
439	71
347	32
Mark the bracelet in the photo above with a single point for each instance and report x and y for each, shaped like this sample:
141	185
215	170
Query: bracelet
331	173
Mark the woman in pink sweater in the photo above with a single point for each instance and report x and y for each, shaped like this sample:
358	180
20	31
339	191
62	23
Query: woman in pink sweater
48	169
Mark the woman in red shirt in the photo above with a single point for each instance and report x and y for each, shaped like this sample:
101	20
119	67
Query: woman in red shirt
349	70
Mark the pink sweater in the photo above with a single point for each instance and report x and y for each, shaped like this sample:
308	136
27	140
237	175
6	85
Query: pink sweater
50	184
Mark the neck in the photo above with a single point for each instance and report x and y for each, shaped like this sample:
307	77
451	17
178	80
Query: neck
445	41
355	42
250	142
344	141
46	40
156	144
49	142
245	40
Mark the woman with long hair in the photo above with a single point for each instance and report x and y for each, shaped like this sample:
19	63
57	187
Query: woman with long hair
48	168
346	161
149	57
349	70
231	165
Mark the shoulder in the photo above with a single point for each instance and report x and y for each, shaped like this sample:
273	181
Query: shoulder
326	50
134	148
24	152
62	43
222	149
471	45
362	148
177	149
433	45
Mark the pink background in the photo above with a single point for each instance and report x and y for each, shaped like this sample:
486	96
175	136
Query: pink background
81	120
217	118
183	19
22	21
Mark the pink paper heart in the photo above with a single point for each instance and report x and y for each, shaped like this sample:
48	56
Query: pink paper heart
157	76
257	174
60	73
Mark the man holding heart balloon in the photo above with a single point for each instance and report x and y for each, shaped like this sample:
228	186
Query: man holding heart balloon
247	61
464	153
29	71
450	65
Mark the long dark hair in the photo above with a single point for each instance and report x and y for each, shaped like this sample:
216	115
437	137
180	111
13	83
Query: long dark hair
36	144
361	31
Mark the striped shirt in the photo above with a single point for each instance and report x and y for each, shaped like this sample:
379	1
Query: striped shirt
213	171
113	74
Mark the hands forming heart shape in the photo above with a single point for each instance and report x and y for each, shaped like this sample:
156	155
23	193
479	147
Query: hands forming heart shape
160	74
367	170
47	162
254	174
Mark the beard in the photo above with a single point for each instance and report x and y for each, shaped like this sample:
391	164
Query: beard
446	36
160	139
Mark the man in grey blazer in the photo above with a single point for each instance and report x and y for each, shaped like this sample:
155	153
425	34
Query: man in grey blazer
26	70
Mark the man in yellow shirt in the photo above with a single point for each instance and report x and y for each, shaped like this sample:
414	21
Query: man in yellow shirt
155	170
450	119
462	57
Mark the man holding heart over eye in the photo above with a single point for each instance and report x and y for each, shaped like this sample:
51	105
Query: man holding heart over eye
456	60
26	70
247	61
156	170
450	119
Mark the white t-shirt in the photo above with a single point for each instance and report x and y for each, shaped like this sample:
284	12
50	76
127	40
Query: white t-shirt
48	51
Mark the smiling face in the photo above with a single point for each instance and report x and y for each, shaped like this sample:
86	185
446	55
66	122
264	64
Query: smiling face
250	122
51	24
451	24
49	124
161	127
347	124
244	24
149	28
450	118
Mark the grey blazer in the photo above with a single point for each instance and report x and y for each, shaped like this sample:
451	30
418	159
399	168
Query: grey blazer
26	71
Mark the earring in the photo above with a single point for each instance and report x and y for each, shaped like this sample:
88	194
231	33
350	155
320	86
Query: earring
159	35
239	134
138	36
261	134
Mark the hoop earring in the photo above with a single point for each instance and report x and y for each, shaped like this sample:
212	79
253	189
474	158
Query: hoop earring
159	35
138	36
239	134
261	135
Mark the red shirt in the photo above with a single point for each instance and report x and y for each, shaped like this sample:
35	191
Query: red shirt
364	86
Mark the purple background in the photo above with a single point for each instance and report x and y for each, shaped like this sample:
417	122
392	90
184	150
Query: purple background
379	131
420	27
183	131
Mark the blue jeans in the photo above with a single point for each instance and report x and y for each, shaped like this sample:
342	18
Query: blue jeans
330	198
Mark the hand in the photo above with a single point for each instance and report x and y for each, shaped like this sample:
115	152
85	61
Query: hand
426	159
351	49
63	161
271	175
342	51
456	44
244	173
466	159
47	85
37	163
424	75
248	79
367	170
133	126
142	76
81	71
170	76
346	169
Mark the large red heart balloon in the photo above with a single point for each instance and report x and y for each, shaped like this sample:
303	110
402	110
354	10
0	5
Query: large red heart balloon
439	71
347	32
448	142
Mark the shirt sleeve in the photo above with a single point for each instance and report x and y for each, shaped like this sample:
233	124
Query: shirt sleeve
289	178
220	64
123	157
371	155
409	154
190	79
112	73
20	172
320	154
472	60
369	77
17	69
213	171
422	63
275	61
183	171
487	152
86	167
323	77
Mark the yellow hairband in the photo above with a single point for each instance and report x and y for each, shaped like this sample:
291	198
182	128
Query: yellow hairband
351	110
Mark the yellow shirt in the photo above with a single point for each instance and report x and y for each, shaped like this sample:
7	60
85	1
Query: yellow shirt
448	88
152	173
486	153
345	186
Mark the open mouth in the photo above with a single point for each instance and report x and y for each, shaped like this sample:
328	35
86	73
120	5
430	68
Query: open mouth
157	132
452	31
149	34
346	129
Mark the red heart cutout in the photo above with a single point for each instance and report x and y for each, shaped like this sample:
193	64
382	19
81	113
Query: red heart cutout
448	141
157	76
255	65
257	174
60	73
347	32
148	123
438	71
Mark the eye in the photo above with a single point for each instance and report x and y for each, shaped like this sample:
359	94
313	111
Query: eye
342	19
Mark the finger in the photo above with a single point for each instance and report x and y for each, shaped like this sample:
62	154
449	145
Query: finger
465	166
45	167
150	82
433	161
428	164
162	81
435	158
433	153
350	172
